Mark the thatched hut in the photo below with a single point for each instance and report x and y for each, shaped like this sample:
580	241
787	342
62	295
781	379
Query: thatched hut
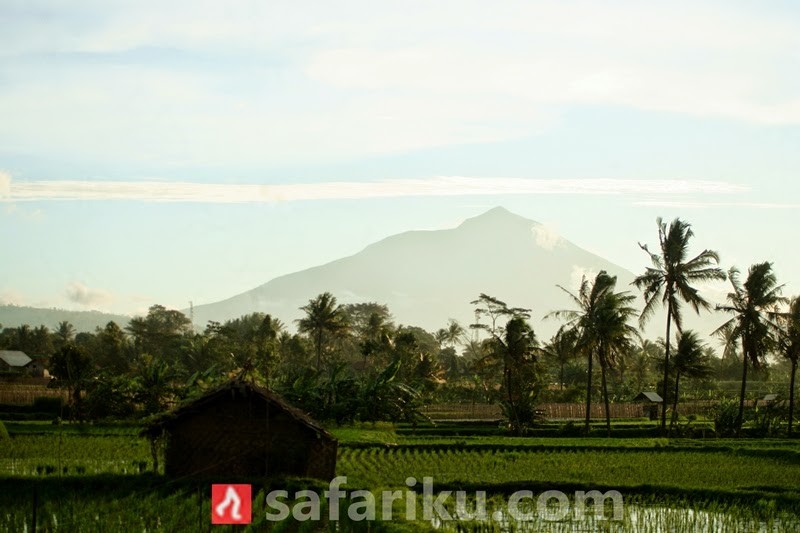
243	430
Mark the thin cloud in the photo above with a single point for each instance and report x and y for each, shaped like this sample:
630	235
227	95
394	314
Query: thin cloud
5	184
546	237
79	293
711	205
152	191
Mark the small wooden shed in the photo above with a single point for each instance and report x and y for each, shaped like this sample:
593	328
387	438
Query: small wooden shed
243	430
651	401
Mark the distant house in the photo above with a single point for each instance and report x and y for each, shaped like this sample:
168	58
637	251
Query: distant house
13	361
243	430
38	366
769	398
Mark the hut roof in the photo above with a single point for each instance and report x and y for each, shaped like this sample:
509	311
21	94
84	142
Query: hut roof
165	420
14	358
648	397
770	398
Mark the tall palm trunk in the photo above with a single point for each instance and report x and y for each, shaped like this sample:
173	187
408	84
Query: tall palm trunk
319	348
740	416
516	426
588	396
791	395
666	367
674	417
561	376
603	365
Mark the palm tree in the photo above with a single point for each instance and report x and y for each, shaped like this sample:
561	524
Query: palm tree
600	326
690	361
376	337
516	347
754	305
615	336
561	350
790	347
670	280
65	332
642	361
323	317
451	335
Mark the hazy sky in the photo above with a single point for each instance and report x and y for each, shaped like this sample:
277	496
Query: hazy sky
176	151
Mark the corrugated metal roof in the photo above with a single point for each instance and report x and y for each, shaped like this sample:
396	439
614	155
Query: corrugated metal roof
14	358
649	396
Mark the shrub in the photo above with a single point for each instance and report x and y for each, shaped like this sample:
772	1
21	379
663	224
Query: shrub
725	413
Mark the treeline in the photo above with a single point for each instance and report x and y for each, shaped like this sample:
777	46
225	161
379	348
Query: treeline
352	362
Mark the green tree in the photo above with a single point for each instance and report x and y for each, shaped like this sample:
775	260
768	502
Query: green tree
72	366
642	361
600	324
324	318
496	355
690	361
560	351
114	352
669	281
161	332
790	347
375	337
494	309
416	349
153	383
42	342
754	306
521	384
452	335
615	336
64	334
22	339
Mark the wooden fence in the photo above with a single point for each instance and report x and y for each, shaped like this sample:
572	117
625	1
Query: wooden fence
481	411
15	394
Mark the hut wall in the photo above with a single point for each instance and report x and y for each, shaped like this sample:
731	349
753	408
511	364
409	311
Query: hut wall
239	436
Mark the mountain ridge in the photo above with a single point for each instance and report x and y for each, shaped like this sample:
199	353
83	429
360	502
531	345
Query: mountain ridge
428	276
12	316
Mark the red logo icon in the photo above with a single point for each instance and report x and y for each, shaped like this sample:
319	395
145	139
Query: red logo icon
231	504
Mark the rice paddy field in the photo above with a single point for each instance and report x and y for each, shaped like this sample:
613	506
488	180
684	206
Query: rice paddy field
100	478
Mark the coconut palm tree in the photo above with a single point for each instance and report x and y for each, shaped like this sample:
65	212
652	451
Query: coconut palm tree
323	317
376	337
790	347
669	281
561	350
517	349
600	326
691	361
64	334
615	336
452	335
754	306
642	360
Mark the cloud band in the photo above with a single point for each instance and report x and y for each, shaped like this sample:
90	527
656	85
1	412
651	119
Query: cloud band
160	191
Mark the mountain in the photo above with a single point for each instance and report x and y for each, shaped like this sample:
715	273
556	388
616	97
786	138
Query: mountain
426	277
12	316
